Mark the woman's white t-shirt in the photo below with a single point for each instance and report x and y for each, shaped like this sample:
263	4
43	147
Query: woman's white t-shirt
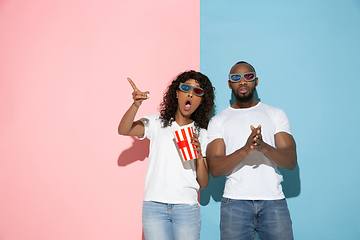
168	179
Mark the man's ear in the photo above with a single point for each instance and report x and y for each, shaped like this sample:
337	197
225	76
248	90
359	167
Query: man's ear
256	81
229	82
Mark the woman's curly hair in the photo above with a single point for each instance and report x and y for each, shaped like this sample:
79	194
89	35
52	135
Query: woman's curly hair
202	114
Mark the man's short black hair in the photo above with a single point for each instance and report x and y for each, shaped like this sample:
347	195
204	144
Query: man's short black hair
240	62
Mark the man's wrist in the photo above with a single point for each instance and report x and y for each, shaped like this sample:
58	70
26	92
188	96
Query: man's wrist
263	147
243	152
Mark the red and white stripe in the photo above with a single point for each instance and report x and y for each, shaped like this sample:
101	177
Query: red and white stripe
183	139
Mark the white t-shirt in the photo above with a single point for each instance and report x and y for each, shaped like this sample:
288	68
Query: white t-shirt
256	177
168	179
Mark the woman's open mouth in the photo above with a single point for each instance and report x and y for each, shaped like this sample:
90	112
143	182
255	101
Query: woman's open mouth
187	105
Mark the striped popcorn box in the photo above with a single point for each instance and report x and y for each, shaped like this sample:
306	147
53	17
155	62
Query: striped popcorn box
183	140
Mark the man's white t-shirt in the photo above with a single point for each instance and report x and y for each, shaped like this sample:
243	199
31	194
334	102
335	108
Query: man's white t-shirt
256	177
168	179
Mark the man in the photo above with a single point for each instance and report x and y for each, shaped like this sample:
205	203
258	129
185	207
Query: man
247	142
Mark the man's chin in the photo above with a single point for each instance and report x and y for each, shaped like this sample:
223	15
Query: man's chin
244	98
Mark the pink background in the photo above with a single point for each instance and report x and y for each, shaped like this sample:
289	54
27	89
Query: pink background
65	173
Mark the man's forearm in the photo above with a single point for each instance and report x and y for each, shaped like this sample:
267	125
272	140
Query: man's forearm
221	165
283	158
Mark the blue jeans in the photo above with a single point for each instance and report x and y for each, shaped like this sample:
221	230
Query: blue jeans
162	221
239	219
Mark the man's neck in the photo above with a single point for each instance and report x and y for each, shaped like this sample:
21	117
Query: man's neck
248	104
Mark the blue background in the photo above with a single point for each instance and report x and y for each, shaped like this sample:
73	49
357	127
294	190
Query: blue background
307	58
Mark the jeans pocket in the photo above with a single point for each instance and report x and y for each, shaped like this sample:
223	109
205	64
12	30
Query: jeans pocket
227	201
195	207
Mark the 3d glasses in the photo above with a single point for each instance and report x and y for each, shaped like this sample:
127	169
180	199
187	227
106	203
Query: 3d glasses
187	88
236	77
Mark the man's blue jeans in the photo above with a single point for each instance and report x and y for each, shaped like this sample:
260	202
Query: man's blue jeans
239	219
162	221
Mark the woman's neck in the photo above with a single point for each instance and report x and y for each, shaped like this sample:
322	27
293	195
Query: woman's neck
182	120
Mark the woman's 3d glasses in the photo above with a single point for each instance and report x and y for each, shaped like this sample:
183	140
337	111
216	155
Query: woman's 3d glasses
236	77
187	88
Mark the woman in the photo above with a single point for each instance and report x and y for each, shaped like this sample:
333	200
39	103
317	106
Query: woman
170	207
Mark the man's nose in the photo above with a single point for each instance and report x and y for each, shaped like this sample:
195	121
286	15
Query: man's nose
242	80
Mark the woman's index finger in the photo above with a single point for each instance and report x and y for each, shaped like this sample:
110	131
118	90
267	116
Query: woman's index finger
132	84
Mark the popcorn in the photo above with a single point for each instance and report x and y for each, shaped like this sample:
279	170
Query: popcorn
183	140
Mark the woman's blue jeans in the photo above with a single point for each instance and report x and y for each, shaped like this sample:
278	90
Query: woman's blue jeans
239	219
162	221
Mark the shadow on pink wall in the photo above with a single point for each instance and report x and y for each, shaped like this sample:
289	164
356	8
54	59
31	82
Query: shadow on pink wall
137	152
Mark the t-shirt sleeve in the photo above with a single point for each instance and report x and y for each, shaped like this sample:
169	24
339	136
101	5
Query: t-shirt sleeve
214	129
282	122
148	122
203	141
